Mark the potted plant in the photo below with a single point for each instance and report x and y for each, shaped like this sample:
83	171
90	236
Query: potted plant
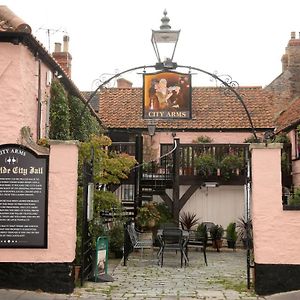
231	235
231	165
147	216
244	232
116	239
294	198
201	232
216	233
188	220
203	139
206	165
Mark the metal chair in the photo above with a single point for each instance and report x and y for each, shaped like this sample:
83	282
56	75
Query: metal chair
136	241
201	242
172	239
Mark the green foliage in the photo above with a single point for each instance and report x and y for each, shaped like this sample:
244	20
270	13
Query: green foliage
216	232
116	237
68	118
82	123
108	167
148	215
188	220
231	233
201	232
206	165
242	226
59	113
281	138
229	164
203	139
251	139
294	199
164	213
103	200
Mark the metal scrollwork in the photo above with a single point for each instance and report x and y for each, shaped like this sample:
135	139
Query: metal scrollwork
226	83
101	79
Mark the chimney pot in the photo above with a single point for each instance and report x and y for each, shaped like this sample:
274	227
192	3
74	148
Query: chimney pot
293	35
124	83
57	47
66	40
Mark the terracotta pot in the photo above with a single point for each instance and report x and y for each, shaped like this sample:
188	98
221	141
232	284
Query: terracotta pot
217	244
76	272
151	223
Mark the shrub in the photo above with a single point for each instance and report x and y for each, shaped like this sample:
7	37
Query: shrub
294	199
188	220
231	233
206	165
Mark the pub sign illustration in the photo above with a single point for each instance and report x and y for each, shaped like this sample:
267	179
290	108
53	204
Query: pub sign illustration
167	95
23	197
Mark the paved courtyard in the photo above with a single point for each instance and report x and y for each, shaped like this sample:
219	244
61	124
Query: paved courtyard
142	278
223	279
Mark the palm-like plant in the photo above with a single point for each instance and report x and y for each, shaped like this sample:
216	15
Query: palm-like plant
188	220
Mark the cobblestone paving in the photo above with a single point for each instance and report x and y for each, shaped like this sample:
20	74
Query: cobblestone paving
142	278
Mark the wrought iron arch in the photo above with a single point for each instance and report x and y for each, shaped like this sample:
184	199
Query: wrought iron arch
213	75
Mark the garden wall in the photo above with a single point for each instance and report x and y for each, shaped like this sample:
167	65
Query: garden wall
275	231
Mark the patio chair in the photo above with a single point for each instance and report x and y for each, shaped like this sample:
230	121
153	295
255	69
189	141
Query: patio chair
136	241
172	239
198	243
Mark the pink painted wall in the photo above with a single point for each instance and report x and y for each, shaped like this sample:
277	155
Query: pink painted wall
275	232
19	91
295	163
188	137
62	207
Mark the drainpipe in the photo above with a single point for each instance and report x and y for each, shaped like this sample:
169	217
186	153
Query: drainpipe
39	99
176	204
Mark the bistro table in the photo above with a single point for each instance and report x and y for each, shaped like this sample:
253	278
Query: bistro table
163	235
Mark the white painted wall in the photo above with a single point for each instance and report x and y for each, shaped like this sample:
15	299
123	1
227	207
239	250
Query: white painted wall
221	205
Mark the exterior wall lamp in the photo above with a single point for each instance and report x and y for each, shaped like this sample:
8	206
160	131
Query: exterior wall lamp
210	184
164	43
151	125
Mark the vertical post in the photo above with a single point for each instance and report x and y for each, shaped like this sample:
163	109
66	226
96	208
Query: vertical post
138	171
176	158
86	263
247	213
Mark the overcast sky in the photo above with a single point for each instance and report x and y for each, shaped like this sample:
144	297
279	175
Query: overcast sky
242	38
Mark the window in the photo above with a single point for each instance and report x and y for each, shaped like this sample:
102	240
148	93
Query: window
127	192
297	142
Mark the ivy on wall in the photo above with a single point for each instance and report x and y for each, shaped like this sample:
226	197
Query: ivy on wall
59	113
82	125
66	118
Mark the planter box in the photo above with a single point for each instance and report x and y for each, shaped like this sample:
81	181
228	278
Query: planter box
291	207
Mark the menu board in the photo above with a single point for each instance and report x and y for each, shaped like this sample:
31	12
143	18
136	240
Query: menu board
23	197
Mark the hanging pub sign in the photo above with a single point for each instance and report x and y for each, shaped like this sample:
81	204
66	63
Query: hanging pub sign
167	95
23	197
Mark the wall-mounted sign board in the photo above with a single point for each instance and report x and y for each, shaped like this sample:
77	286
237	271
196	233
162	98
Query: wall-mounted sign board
23	197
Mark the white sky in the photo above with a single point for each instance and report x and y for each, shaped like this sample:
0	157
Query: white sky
242	38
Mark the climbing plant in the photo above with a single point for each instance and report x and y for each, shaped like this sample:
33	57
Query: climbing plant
82	123
59	113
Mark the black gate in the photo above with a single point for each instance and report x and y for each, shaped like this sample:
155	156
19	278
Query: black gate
86	240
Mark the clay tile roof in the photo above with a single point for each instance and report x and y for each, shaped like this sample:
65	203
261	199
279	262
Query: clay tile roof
211	109
290	117
10	22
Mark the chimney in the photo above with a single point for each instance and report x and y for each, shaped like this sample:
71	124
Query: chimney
291	58
63	58
123	83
